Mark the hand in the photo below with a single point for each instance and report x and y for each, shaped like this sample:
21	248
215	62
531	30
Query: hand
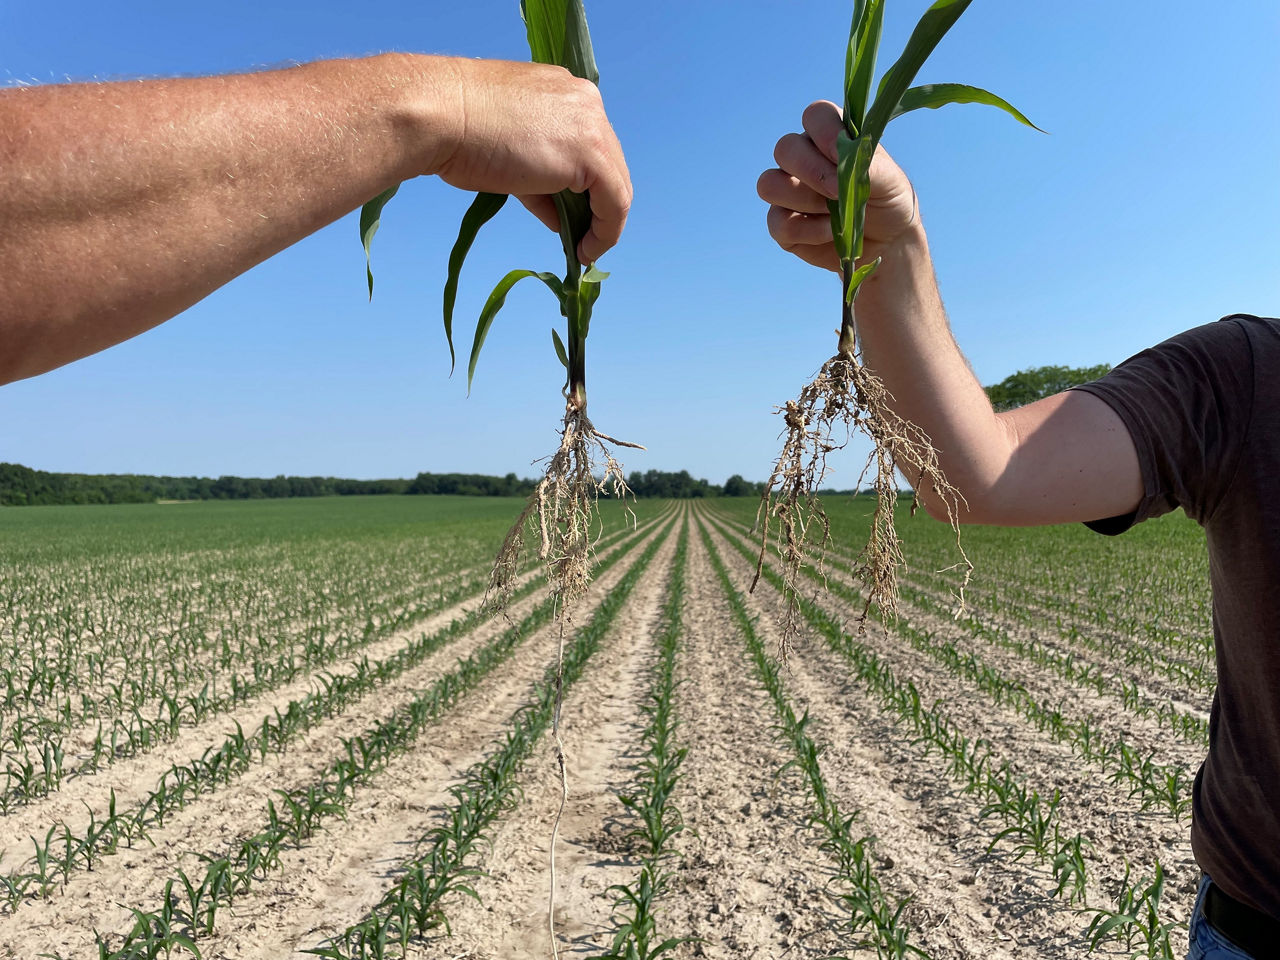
532	130
798	190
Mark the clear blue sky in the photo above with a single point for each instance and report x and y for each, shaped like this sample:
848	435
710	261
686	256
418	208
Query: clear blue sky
1153	206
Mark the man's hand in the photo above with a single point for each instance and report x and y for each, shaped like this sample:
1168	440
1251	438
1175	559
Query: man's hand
533	130
798	189
125	203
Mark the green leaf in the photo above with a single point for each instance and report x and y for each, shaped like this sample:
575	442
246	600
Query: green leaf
557	34
1118	920
860	63
853	176
580	59
594	275
560	351
370	219
859	275
931	28
482	210
931	96
499	297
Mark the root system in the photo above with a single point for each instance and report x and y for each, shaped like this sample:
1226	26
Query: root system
564	507
565	504
843	399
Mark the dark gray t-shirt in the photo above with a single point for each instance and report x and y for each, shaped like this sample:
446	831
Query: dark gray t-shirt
1203	409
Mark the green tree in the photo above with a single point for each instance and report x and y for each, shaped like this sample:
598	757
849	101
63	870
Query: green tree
1025	386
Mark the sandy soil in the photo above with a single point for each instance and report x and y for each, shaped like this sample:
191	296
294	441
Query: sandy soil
750	882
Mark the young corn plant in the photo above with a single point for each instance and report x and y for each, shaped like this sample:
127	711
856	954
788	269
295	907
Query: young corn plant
563	506
847	397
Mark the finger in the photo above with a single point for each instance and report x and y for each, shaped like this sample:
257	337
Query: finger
779	188
544	208
789	228
823	121
611	194
796	154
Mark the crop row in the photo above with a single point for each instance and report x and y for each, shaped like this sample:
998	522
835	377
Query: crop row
859	889
657	819
35	765
189	905
1028	818
1162	786
416	905
64	850
1072	667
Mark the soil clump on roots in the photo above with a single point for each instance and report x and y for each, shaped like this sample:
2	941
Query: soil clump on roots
843	399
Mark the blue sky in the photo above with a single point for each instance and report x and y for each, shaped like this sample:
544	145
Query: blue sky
1151	207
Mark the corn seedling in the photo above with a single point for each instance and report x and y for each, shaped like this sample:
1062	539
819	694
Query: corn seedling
565	501
415	906
658	820
857	887
846	396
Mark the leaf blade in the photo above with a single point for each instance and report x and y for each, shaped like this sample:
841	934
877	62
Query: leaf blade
483	209
928	32
931	96
495	303
370	220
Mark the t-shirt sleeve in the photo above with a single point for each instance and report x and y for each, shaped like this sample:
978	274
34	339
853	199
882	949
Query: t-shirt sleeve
1187	404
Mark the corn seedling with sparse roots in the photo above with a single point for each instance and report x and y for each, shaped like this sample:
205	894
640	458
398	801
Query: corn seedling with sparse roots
563	506
564	503
847	397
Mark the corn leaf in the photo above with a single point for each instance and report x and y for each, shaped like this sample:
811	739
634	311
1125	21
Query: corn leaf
482	210
370	219
931	96
860	63
557	33
931	28
859	275
559	345
853	176
495	302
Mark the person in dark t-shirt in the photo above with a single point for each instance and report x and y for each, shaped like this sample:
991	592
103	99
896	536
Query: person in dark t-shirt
1193	422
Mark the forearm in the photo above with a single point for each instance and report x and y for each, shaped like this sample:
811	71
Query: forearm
125	203
907	341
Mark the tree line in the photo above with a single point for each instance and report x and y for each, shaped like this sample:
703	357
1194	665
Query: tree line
21	485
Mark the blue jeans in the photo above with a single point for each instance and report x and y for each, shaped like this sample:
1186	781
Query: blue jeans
1207	943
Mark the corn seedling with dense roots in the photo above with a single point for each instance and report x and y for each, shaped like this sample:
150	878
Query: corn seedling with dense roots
847	397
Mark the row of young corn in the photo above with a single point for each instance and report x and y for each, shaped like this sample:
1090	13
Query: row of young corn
417	904
1162	786
112	640
1027	819
1185	670
189	905
1149	587
35	751
657	820
163	691
1189	727
855	884
64	849
36	761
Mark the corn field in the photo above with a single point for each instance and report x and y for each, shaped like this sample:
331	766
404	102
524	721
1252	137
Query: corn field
286	729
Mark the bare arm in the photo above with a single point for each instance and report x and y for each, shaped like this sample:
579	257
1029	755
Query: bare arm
124	203
1065	458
